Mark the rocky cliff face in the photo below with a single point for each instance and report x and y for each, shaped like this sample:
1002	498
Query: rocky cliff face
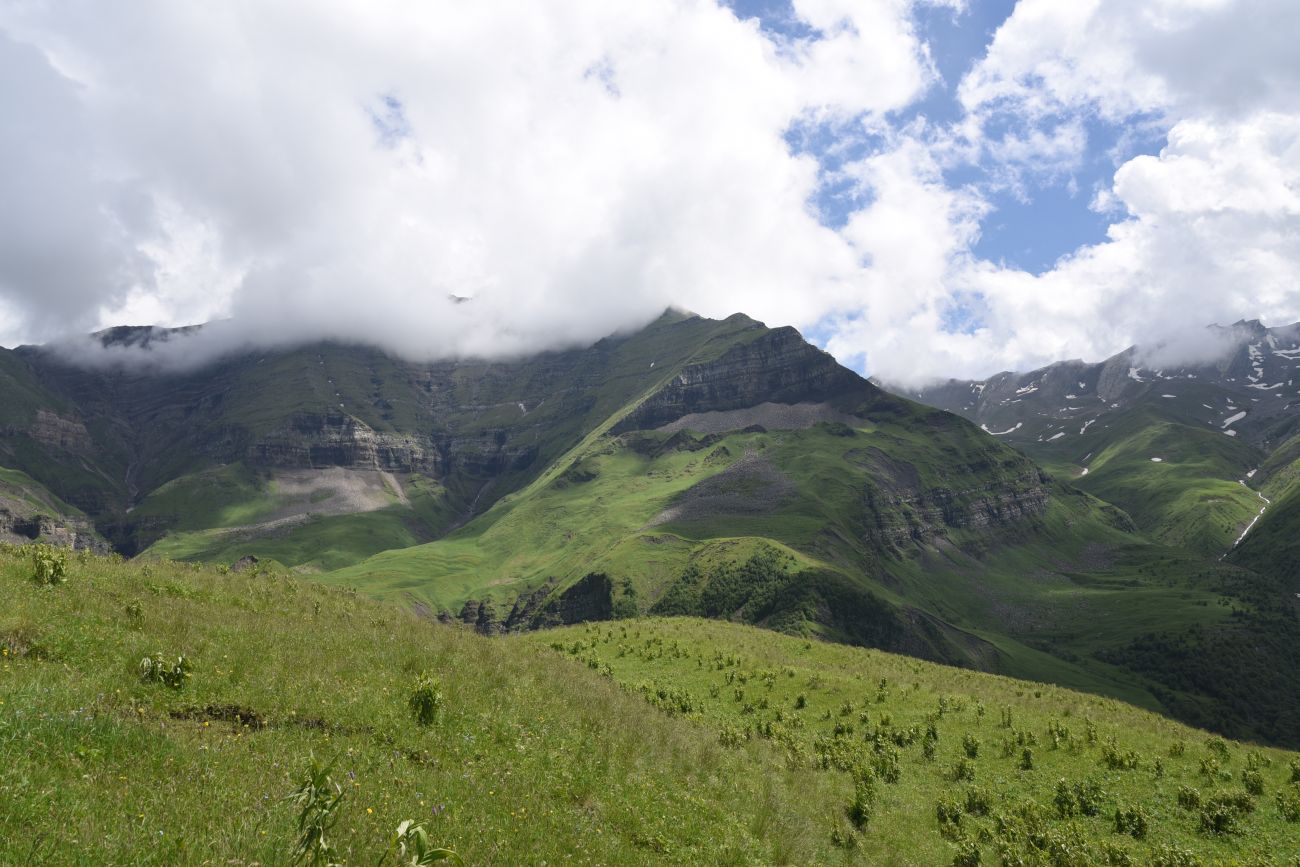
65	532
777	367
901	509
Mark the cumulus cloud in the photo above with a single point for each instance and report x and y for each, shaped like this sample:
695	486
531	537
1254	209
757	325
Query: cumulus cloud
574	167
343	171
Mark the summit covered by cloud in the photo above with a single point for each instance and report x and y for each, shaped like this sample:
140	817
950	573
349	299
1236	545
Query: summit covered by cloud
926	188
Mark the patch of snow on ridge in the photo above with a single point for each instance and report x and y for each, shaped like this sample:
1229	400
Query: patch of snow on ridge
1231	433
1234	418
1168	395
1085	472
1081	385
1056	436
1157	460
1133	374
1085	425
995	433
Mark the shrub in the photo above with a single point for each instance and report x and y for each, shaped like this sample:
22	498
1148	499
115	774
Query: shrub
971	746
1253	781
1295	771
1113	855
964	769
49	565
426	700
1222	812
1027	760
1131	820
800	701
1176	749
1174	856
1189	798
1288	802
864	797
979	802
730	736
155	669
968	855
948	812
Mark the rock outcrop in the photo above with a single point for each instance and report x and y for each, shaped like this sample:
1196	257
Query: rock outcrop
778	366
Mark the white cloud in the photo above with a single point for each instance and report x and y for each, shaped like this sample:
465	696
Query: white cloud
576	166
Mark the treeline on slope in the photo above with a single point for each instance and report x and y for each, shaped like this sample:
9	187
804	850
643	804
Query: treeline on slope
765	590
1241	677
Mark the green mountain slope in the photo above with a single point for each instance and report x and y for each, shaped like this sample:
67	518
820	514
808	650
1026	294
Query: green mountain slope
862	518
532	758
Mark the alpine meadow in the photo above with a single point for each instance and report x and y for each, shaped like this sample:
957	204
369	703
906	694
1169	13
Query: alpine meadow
718	432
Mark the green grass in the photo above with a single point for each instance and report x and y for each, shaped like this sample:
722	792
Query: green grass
29	494
1190	498
222	514
532	758
741	681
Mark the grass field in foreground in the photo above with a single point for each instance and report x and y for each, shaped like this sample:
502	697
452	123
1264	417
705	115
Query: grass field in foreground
534	759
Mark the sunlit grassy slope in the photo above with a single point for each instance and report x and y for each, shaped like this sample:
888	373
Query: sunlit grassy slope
1059	598
1190	497
1001	749
534	758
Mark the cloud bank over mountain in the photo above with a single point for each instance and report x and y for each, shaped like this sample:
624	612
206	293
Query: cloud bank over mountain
577	166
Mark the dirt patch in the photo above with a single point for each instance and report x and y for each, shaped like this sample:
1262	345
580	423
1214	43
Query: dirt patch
231	713
773	416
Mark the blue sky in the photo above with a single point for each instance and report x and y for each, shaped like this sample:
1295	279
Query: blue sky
1047	216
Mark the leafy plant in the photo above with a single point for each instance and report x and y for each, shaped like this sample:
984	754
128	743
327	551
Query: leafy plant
971	746
412	847
426	700
156	669
317	798
1223	812
1288	802
49	565
1132	820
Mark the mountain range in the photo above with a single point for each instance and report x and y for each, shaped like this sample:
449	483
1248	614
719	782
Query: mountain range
1084	526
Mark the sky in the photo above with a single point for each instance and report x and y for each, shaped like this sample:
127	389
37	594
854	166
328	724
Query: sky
925	188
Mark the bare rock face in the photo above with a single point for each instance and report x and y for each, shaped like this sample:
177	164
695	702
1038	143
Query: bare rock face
777	367
590	599
900	508
64	532
61	432
342	441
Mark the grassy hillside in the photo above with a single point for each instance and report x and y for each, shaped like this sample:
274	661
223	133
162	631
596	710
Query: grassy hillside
1191	497
1272	546
309	519
531	758
951	762
1068	596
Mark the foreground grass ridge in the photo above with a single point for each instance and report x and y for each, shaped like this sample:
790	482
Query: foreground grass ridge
762	748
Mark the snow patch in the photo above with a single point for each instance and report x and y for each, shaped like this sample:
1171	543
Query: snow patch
1231	420
1168	395
1056	436
1085	425
1157	460
1003	433
1133	374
